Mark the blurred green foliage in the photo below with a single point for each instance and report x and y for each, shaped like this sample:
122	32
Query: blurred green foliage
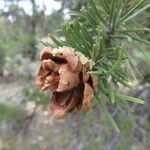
16	30
39	98
125	144
34	147
13	38
73	4
10	112
48	136
9	147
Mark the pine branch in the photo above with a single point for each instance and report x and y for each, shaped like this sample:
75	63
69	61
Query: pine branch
99	31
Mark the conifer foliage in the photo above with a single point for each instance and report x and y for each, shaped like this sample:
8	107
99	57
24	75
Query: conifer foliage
103	31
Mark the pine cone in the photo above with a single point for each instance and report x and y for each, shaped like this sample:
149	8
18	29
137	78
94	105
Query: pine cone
65	71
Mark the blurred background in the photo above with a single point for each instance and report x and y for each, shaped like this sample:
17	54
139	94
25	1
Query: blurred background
25	123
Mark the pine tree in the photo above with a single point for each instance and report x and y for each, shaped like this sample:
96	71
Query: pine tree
103	31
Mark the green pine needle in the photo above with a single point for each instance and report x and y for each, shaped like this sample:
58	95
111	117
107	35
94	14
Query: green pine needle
129	98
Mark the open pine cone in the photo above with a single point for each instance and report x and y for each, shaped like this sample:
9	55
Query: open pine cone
65	72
